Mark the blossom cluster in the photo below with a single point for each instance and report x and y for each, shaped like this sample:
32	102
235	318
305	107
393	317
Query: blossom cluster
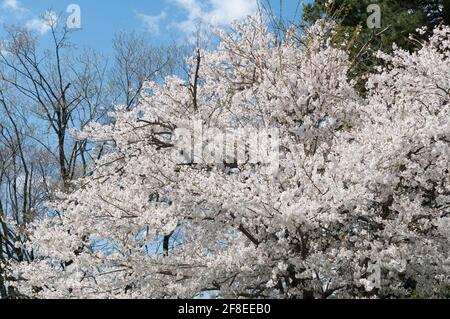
359	205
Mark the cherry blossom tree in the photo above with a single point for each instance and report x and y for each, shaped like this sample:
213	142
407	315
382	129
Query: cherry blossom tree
358	205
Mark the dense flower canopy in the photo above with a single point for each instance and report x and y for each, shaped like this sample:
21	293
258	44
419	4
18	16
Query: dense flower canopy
358	205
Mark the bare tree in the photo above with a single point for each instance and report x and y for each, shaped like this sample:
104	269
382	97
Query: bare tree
62	91
136	61
22	181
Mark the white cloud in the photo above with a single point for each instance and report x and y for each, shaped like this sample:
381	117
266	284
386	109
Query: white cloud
152	22
225	12
213	12
42	25
12	5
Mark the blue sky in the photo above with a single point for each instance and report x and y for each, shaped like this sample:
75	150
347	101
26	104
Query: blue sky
161	20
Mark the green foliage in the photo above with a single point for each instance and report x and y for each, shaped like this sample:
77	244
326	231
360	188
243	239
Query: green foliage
399	20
